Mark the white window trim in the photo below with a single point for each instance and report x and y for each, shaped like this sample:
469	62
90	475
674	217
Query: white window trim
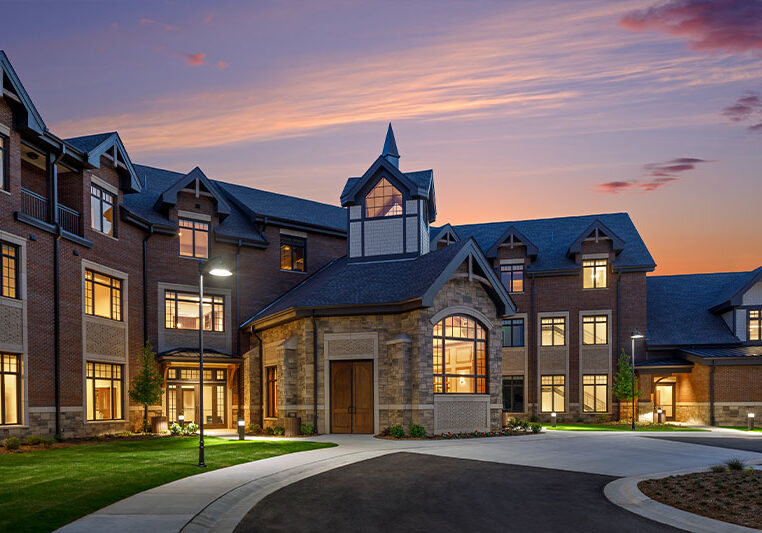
98	182
512	261
293	233
588	257
195	216
5	130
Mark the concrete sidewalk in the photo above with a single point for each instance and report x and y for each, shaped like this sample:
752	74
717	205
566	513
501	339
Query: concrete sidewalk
218	500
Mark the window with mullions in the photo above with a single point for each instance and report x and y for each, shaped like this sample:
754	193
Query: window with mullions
384	200
513	394
4	159
460	356
10	266
101	210
10	389
104	391
755	325
292	253
271	392
181	311
553	394
553	331
595	393
594	273
595	329
513	332
512	277
194	238
103	295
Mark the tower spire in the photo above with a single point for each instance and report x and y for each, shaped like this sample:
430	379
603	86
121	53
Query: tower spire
390	148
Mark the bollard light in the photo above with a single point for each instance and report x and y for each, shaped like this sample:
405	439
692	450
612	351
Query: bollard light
553	419
241	425
750	419
181	418
660	416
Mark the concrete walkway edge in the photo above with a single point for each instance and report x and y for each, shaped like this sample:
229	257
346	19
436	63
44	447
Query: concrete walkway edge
625	493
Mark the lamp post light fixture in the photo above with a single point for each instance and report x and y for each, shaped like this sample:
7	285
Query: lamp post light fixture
750	419
204	267
635	335
660	415
553	419
241	425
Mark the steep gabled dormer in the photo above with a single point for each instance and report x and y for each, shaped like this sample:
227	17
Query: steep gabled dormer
389	211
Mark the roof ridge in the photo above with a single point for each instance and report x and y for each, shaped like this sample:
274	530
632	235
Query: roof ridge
702	274
540	219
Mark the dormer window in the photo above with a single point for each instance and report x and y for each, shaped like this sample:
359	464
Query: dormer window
755	325
594	273
384	200
194	238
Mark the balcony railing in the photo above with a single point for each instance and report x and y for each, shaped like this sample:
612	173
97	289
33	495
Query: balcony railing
37	206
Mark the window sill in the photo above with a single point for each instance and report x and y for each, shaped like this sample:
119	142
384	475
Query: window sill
115	421
5	192
594	288
104	234
192	257
16	302
294	271
105	320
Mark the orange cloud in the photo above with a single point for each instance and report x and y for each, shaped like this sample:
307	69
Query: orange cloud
151	22
194	60
222	64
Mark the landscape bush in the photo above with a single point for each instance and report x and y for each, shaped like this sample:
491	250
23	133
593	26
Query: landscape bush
12	443
735	464
416	431
33	440
307	429
717	468
175	429
397	431
190	429
254	428
536	428
278	431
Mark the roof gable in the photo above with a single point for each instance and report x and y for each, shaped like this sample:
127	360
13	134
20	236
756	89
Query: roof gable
169	197
598	229
512	235
735	298
9	79
354	188
110	145
446	231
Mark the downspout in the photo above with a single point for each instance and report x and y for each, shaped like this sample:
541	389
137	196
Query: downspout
53	180
315	372
712	421
261	377
532	347
238	331
145	284
618	329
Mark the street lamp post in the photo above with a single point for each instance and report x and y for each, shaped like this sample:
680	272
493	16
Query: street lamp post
204	267
635	335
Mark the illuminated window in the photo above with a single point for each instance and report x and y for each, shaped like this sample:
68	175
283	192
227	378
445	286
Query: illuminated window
595	329
10	275
103	295
181	311
513	332
755	325
101	210
292	253
553	394
271	392
513	394
553	331
384	200
512	277
104	391
4	159
194	238
10	389
594	393
460	356
594	274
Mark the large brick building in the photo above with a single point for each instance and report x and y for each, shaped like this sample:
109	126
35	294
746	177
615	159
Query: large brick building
354	317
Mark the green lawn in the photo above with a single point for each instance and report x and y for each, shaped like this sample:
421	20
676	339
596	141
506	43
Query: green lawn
742	428
43	490
619	427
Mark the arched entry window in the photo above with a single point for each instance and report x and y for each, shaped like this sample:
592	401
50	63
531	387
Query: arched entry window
384	200
460	356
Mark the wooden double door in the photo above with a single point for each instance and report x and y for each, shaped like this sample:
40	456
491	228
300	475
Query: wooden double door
352	396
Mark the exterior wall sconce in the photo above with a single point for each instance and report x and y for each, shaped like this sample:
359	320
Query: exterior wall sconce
241	425
553	419
750	419
660	416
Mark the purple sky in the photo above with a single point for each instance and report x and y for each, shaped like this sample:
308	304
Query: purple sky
523	109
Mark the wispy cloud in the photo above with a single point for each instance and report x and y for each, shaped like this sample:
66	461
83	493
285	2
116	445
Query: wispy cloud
162	25
194	60
748	106
656	176
722	25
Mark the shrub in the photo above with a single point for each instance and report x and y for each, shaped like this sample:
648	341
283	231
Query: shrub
397	431
12	443
416	431
175	429
278	430
535	428
307	429
269	430
717	468
524	425
190	429
735	464
47	442
384	432
254	428
33	440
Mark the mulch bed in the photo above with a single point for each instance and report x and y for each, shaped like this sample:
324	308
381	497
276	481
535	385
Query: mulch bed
459	437
78	442
733	496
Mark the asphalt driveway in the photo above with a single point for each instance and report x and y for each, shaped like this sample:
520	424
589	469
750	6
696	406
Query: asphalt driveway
749	444
419	492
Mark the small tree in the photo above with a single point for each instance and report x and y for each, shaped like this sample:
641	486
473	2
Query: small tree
622	388
146	387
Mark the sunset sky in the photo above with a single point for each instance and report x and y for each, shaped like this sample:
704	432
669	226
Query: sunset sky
523	109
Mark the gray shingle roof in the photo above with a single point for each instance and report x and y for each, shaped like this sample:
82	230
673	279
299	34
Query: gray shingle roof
554	236
87	142
726	351
678	308
662	361
421	178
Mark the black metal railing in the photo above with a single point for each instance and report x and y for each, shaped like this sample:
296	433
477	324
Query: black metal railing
37	206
